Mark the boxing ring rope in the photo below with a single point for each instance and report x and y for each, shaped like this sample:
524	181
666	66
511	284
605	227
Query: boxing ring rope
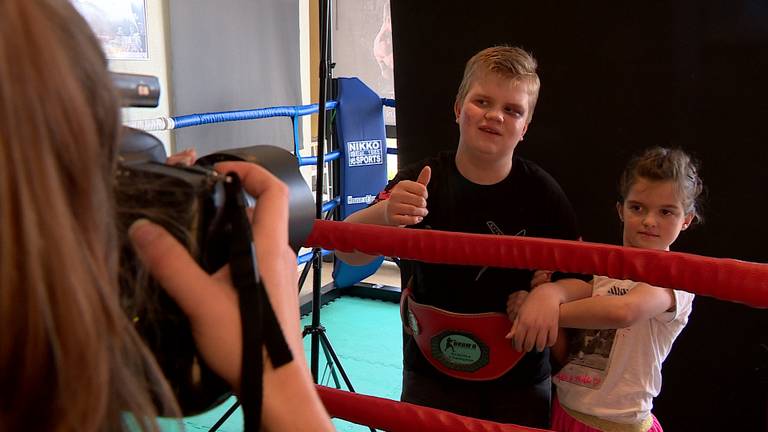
178	122
396	416
725	279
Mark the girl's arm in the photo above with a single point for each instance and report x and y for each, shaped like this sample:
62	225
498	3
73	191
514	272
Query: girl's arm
643	302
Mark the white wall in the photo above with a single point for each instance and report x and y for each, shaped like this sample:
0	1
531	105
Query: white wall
305	72
234	55
156	65
160	65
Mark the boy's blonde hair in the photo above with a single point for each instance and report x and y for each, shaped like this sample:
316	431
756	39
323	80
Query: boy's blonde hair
509	62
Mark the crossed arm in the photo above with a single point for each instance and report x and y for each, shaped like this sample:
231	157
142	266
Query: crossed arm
569	303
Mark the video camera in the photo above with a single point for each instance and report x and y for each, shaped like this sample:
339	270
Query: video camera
204	210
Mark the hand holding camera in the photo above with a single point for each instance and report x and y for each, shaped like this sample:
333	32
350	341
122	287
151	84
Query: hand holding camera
210	282
210	301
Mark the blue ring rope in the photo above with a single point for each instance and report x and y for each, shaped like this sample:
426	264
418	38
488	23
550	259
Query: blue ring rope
252	114
294	112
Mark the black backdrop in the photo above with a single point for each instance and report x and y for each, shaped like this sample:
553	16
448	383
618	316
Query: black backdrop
618	77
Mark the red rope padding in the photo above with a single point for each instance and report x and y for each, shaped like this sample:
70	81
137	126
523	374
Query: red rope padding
727	279
394	416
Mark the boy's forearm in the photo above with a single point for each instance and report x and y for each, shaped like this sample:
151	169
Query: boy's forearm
373	215
355	258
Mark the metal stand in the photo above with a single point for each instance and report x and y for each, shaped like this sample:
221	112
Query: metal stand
316	331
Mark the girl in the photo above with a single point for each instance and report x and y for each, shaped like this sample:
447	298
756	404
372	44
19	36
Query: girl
70	359
613	370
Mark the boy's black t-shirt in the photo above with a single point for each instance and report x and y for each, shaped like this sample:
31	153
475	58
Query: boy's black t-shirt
527	203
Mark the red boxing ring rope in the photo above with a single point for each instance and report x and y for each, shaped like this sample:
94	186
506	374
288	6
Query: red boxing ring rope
726	279
395	416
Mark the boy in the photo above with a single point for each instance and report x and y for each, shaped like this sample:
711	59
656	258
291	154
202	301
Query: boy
480	188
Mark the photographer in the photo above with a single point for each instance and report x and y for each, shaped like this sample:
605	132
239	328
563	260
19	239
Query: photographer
69	357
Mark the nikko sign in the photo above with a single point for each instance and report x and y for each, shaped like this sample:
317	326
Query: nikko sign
361	153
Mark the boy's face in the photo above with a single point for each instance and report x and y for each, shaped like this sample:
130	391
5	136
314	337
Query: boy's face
493	116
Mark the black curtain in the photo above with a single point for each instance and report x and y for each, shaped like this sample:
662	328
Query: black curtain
618	77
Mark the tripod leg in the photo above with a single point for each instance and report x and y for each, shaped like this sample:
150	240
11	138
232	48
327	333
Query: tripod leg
316	332
329	350
226	416
331	365
327	346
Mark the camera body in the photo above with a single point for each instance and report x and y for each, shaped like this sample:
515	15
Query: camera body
190	203
187	202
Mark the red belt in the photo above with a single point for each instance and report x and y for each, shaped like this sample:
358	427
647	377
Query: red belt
464	346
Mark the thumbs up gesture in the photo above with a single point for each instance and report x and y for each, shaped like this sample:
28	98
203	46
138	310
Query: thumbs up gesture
407	203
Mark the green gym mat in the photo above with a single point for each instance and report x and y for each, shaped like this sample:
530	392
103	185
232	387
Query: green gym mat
366	336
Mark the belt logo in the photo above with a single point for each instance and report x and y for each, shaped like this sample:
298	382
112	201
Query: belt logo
459	351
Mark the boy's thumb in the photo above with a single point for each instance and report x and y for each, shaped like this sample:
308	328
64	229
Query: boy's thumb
424	175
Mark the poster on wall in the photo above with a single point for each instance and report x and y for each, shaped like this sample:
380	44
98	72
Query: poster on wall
362	46
120	25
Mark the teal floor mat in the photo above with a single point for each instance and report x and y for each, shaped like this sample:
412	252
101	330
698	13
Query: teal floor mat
366	336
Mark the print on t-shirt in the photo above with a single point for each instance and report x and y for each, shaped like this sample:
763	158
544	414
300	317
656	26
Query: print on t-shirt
589	353
592	348
495	230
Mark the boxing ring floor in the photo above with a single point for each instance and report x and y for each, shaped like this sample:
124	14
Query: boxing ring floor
366	335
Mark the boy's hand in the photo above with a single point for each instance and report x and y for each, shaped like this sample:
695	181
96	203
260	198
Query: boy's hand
407	203
541	277
514	302
536	322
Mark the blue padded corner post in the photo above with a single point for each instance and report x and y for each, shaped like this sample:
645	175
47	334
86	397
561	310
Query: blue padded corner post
363	166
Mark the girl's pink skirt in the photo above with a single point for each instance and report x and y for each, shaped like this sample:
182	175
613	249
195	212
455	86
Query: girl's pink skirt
563	422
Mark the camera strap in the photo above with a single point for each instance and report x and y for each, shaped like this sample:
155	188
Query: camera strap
259	323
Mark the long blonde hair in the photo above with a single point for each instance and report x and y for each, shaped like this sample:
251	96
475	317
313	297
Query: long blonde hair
69	358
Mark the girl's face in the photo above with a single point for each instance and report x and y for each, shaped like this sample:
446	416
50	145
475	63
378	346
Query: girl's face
653	215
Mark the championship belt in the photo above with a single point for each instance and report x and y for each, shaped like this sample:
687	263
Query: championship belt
465	346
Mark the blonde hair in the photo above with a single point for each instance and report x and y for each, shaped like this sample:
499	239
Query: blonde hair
511	63
664	164
70	360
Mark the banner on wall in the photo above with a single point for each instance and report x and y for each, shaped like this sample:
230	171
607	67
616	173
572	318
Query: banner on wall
120	25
